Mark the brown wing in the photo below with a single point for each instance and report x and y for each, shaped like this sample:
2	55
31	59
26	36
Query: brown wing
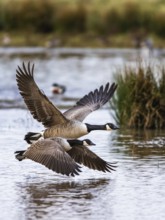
91	102
38	104
52	155
83	155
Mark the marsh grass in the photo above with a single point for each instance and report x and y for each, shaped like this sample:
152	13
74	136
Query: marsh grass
140	97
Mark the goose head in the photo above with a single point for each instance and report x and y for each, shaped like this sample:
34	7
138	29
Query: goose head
85	142
110	126
88	142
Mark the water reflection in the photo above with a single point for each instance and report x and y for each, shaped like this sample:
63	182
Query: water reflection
65	198
140	142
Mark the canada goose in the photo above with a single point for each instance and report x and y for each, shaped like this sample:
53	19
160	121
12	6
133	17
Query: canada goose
82	155
61	155
69	124
58	89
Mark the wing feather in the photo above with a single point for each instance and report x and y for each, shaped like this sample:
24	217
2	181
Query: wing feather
37	102
91	102
50	154
83	155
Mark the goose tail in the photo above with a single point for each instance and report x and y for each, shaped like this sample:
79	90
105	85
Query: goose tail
19	155
31	137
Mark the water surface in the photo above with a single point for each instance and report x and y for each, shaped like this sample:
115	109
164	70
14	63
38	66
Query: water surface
136	190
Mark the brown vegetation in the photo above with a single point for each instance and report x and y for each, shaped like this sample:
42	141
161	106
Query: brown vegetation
140	97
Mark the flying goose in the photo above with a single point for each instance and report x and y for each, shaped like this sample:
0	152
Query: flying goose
62	156
68	124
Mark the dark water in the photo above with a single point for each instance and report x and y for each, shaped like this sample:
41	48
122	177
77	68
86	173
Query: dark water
136	190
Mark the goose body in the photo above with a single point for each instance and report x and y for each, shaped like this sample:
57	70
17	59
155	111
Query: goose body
70	129
74	129
51	153
68	124
62	156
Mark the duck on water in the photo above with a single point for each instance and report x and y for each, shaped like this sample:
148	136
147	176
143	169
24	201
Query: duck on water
58	89
68	124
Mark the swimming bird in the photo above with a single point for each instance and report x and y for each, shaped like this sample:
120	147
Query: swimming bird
62	156
68	124
58	89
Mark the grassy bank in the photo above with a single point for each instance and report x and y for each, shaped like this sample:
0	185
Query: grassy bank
30	38
140	97
100	20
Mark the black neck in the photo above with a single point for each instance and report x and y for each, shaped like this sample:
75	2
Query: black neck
74	142
95	127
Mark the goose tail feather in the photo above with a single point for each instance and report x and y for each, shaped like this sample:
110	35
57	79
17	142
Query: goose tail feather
19	155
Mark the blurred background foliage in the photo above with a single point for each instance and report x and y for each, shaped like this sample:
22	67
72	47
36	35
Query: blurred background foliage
88	17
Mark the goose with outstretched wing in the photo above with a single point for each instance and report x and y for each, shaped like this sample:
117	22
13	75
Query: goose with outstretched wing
68	124
61	155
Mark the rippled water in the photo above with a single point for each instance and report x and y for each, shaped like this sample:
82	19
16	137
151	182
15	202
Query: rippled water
136	190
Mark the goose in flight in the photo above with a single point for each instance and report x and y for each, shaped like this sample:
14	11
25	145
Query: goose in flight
62	156
68	124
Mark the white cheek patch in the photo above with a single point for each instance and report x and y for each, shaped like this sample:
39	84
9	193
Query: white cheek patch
85	143
108	128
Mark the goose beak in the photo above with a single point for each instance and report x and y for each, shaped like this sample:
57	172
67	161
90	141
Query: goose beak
88	143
